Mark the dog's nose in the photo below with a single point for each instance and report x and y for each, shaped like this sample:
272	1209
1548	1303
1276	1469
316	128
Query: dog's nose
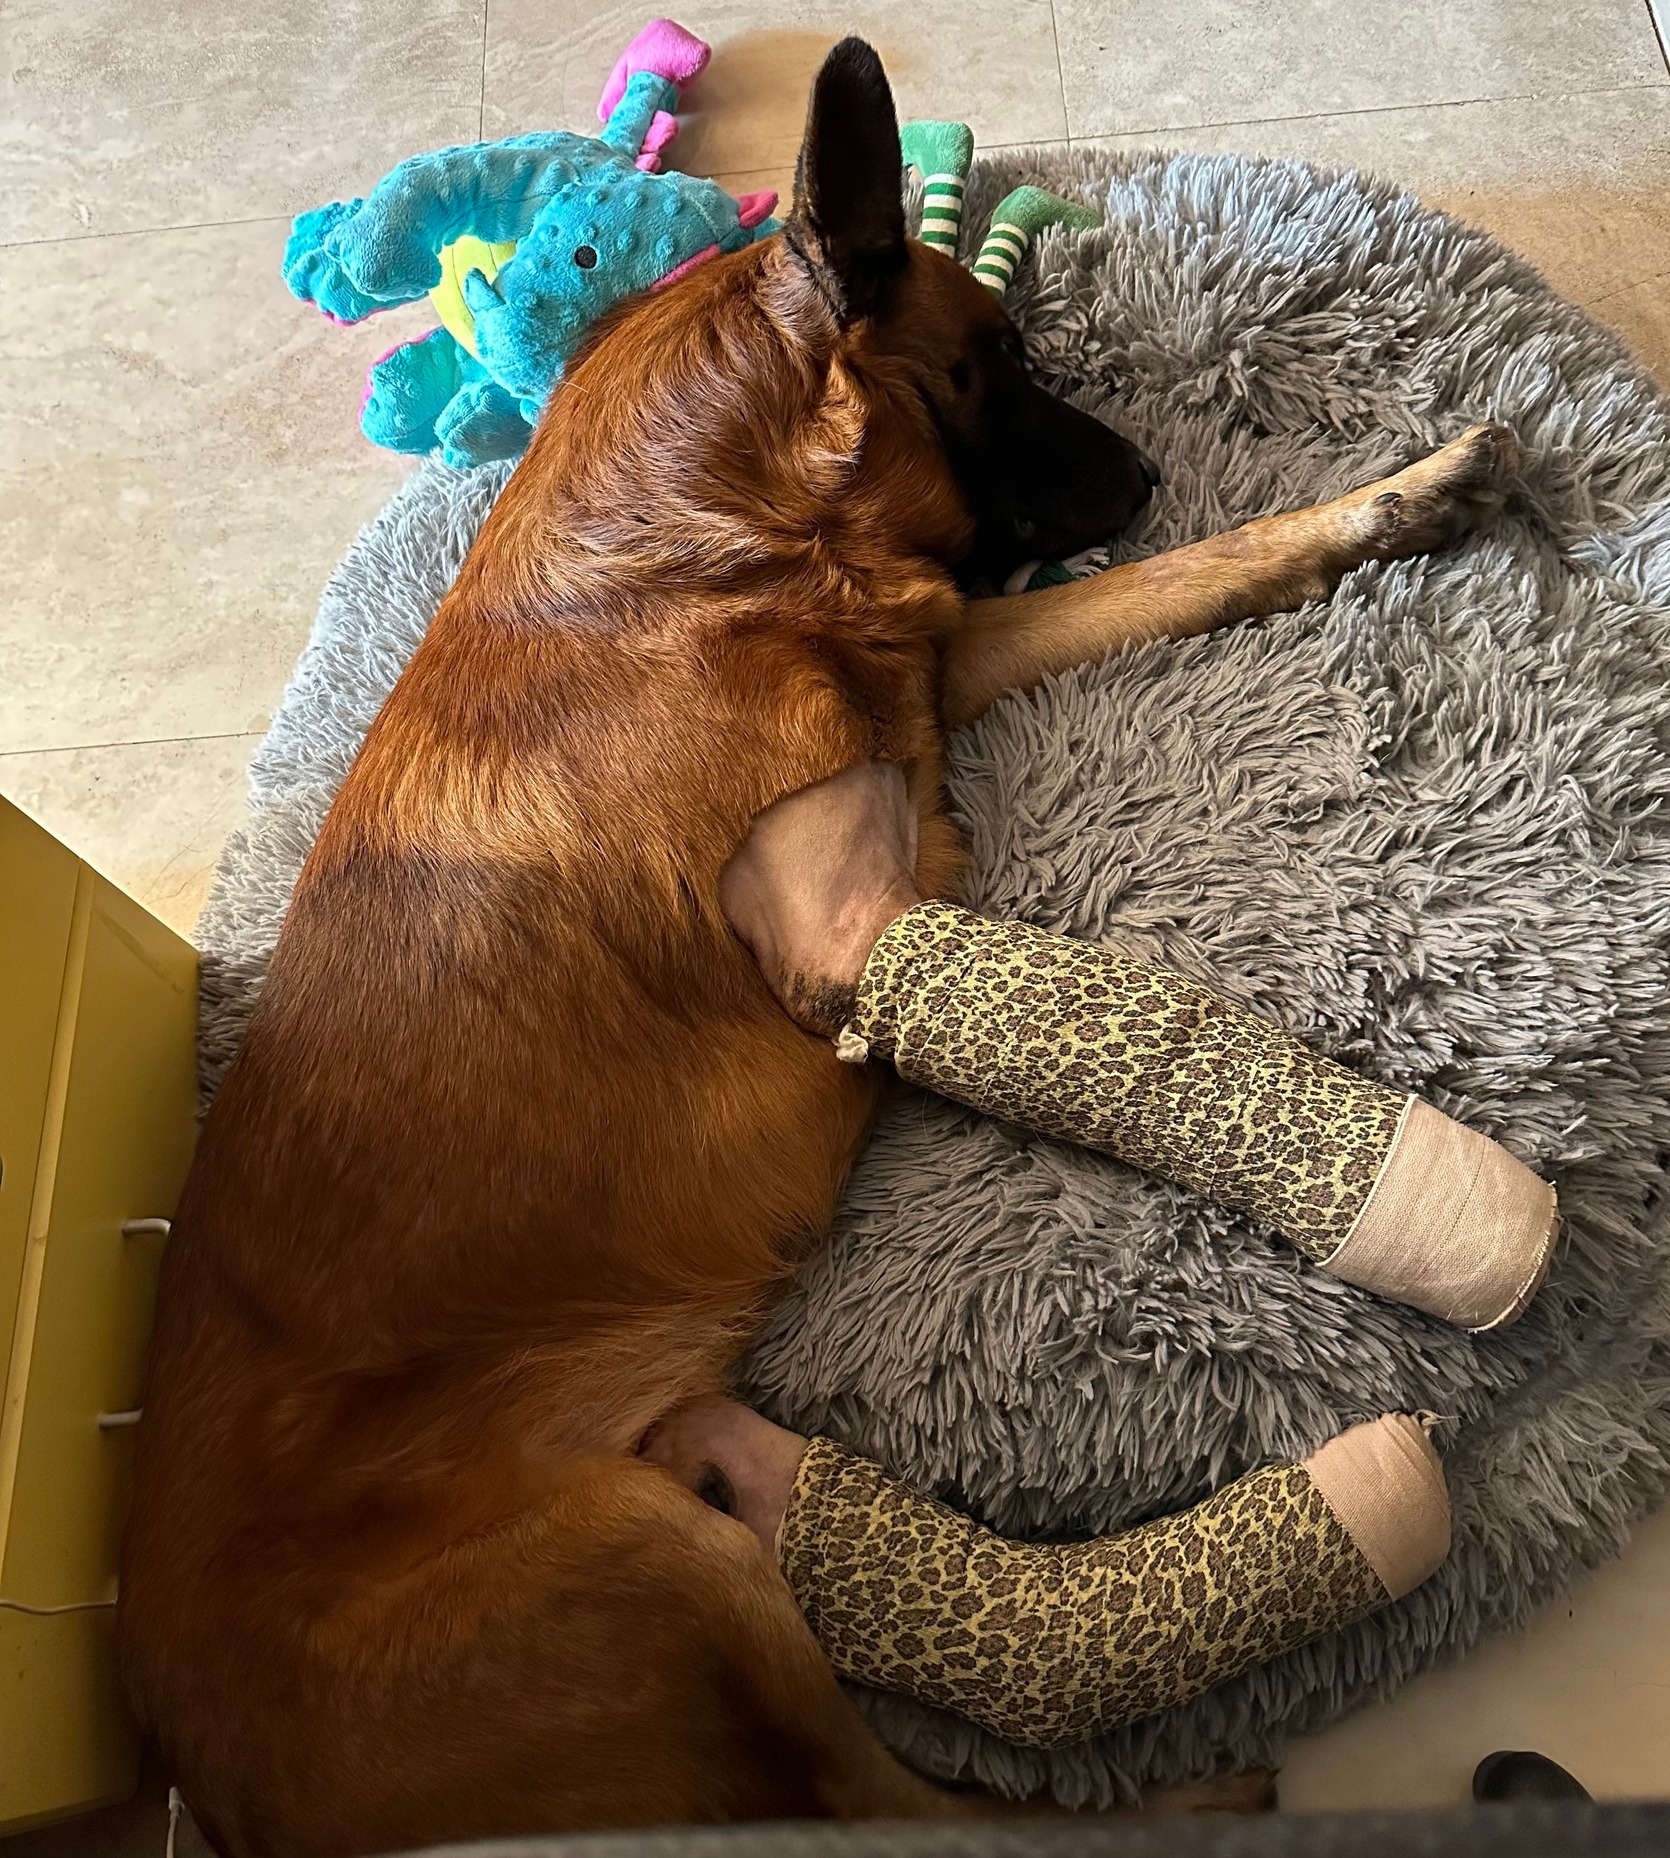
1150	471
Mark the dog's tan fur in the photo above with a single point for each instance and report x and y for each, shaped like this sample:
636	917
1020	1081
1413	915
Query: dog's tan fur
519	1146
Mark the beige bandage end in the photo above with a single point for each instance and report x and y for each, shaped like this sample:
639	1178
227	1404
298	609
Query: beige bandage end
1454	1225
1386	1485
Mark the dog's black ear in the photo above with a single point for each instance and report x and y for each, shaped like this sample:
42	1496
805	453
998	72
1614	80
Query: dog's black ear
848	220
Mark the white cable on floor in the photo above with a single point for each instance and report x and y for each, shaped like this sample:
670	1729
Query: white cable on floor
47	1612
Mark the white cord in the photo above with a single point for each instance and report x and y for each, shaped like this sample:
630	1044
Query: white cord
176	1806
137	1228
47	1612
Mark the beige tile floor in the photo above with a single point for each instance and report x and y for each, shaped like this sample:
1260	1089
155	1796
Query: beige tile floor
179	465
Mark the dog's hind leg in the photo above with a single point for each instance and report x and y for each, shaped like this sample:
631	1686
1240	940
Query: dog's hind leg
1267	566
622	1654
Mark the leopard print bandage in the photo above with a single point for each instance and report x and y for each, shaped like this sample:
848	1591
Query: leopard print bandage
1048	1644
1081	1042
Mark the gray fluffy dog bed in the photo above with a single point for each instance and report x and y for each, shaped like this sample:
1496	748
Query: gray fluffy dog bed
1423	824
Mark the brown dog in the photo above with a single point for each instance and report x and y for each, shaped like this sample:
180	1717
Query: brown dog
519	1145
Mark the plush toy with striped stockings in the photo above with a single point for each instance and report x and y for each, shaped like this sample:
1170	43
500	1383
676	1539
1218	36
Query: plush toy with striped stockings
943	153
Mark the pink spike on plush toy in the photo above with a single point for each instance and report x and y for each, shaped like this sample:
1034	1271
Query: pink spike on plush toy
752	208
664	48
663	129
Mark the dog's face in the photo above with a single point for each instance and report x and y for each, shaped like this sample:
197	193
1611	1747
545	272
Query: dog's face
1040	479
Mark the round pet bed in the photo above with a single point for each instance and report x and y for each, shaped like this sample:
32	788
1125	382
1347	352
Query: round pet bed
1423	824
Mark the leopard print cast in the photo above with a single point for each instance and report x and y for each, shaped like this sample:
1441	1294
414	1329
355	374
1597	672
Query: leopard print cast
1079	1042
1046	1645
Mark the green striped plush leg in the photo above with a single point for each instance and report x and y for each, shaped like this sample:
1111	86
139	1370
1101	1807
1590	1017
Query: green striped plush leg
1019	218
1142	1063
942	154
942	212
1046	1644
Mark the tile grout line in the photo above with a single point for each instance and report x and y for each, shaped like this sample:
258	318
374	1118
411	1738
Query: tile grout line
1658	33
1623	290
146	232
1373	109
1060	77
150	741
481	112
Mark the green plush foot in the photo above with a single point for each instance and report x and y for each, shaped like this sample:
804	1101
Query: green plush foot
942	153
1016	222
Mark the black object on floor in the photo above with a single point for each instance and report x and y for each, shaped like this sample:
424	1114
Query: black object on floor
1520	1774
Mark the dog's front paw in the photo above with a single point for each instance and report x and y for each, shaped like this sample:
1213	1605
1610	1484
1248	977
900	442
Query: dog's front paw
1442	498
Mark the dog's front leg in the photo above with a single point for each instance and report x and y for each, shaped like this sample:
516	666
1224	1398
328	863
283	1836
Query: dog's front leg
1267	566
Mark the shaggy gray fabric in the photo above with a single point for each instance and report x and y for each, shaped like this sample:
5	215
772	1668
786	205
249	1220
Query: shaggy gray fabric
1423	824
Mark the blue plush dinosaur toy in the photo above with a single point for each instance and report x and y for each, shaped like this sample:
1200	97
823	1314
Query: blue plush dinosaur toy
521	245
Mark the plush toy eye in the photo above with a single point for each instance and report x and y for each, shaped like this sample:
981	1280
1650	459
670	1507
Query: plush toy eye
585	256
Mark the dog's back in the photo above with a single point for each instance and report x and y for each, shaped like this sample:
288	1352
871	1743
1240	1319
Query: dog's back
518	1143
514	1150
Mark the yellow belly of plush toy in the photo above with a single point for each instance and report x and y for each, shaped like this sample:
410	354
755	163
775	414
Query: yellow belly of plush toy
458	260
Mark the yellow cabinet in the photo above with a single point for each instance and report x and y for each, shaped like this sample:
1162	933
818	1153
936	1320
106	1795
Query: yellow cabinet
97	1120
37	902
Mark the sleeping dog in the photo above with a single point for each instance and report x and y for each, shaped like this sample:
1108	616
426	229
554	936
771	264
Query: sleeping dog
520	1145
